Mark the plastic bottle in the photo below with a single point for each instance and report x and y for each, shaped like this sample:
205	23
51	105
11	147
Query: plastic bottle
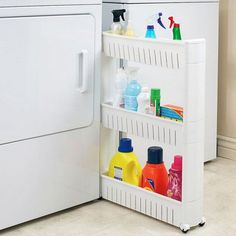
175	179
130	30
132	91
116	27
120	86
144	100
150	33
124	165
176	32
154	175
155	100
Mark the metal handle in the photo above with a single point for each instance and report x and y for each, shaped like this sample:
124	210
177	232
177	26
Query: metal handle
83	85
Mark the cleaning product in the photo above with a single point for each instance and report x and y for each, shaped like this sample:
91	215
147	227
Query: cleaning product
155	100
132	90
154	175
120	86
175	179
124	165
150	32
144	100
116	27
176	28
172	112
130	30
176	32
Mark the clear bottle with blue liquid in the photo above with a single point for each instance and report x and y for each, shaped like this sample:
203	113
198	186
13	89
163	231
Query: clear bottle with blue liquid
150	33
131	93
132	90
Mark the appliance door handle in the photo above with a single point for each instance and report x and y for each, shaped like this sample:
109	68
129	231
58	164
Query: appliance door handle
84	75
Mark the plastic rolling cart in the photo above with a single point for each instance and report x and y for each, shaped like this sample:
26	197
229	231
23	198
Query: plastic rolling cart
187	137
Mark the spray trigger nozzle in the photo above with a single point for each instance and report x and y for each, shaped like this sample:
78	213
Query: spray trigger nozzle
159	21
117	14
171	19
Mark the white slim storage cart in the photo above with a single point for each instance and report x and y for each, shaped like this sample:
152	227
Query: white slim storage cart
188	136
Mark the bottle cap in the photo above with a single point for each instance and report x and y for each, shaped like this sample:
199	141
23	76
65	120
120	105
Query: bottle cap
176	25
155	93
155	155
125	145
177	165
150	27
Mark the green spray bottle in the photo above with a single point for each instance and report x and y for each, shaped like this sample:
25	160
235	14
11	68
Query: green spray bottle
176	32
176	29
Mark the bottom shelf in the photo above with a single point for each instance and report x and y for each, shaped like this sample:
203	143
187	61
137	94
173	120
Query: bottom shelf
141	200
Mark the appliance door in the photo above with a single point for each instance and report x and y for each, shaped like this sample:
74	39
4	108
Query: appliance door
46	76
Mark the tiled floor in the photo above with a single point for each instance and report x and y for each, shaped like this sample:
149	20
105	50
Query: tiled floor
102	218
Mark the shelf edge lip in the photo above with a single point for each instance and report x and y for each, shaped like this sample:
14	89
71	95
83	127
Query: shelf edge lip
180	123
158	40
164	198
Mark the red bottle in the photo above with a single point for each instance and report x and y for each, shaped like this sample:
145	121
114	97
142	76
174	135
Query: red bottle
154	175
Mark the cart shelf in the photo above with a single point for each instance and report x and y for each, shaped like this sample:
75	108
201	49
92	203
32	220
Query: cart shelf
186	57
163	53
164	131
138	199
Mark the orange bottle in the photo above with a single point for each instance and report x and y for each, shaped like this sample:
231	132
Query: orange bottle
154	175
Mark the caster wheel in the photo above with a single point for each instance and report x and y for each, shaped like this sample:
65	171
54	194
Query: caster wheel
185	228
203	221
184	231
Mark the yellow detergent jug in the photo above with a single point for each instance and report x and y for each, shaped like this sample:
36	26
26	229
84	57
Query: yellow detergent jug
124	165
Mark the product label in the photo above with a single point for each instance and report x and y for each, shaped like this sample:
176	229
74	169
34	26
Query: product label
155	107
152	107
151	182
175	185
118	173
158	108
131	103
148	184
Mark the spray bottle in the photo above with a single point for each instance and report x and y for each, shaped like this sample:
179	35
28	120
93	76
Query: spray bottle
176	29
116	27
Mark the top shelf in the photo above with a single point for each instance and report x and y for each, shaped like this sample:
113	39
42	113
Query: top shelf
163	53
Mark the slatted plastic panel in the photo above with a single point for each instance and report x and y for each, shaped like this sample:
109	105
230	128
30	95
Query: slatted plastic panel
161	130
138	199
163	53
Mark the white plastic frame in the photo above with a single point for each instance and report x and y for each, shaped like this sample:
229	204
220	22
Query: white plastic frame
190	57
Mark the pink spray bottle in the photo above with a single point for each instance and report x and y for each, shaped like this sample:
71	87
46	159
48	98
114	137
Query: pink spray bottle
175	179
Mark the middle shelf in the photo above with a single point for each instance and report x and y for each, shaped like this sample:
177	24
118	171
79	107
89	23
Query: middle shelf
164	131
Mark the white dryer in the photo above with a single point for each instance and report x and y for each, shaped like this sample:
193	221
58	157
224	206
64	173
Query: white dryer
49	99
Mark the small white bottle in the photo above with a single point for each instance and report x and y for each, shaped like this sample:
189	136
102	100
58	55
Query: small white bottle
144	100
121	82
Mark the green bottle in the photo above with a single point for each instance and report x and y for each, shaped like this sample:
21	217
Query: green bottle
176	32
155	101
